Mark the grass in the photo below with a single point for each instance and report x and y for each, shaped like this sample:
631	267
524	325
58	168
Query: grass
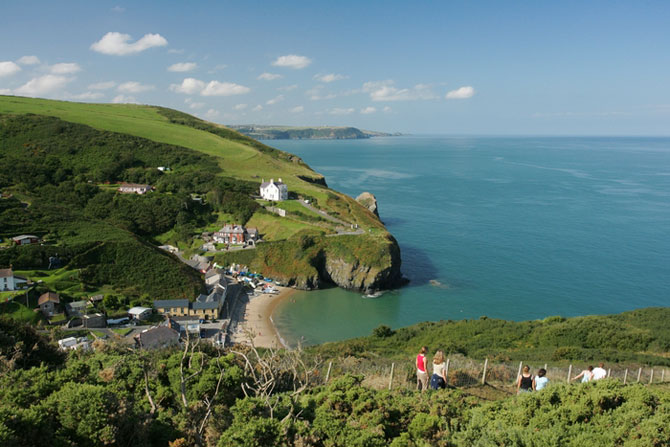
237	159
122	331
276	228
16	310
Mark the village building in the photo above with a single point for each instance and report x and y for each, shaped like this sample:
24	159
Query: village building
74	344
157	338
205	307
236	234
25	239
48	303
275	191
139	313
134	188
76	308
96	299
9	281
97	320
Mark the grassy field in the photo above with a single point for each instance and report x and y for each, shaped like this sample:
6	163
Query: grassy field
237	159
277	228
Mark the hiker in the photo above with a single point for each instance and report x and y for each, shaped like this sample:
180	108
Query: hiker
599	372
586	375
540	381
421	373
524	383
439	377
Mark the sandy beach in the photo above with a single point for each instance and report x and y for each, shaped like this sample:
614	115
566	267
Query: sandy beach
257	320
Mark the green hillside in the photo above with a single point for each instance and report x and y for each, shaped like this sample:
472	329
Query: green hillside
68	158
306	133
640	336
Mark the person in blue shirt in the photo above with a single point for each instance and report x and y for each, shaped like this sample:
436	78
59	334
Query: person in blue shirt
540	381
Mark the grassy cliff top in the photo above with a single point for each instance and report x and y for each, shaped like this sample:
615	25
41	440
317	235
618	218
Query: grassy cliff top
239	156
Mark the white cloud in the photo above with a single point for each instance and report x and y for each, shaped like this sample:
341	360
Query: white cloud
331	77
134	87
9	68
368	110
5	91
88	95
28	60
212	114
216	88
188	86
275	100
240	107
288	88
118	44
386	91
175	51
268	76
316	95
386	109
123	99
196	105
42	85
292	61
65	68
461	93
341	111
297	109
181	67
118	9
258	108
102	85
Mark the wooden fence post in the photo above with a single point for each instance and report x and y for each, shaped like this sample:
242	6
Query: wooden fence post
663	375
569	373
328	373
391	379
609	371
651	378
639	374
446	373
545	366
486	363
519	373
625	376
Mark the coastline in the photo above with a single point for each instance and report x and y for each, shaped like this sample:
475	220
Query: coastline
257	320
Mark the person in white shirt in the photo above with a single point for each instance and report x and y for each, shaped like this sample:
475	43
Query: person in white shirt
599	372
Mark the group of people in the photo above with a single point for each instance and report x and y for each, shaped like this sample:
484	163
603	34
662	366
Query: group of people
526	382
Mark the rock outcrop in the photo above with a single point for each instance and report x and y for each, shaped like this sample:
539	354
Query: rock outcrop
369	201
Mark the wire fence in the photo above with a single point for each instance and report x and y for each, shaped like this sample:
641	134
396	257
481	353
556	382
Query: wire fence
463	372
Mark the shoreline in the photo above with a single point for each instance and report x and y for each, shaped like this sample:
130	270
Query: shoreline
257	320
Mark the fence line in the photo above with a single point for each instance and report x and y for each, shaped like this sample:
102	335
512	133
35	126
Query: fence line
462	372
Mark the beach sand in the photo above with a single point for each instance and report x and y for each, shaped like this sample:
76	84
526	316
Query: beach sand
257	320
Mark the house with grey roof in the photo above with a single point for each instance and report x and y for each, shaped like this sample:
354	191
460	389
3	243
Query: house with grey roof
76	308
157	338
275	191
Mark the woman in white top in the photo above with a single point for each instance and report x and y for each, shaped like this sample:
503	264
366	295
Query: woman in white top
586	375
439	378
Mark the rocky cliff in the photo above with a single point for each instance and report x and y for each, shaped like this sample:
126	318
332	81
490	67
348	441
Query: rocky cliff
369	201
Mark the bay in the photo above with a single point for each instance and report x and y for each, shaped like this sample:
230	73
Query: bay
512	227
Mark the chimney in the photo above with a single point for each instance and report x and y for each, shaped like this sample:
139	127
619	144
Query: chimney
279	179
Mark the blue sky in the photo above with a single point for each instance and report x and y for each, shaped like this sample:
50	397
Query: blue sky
552	68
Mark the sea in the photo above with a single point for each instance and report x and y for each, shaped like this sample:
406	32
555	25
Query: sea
515	228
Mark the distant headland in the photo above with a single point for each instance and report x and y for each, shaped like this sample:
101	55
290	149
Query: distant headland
262	132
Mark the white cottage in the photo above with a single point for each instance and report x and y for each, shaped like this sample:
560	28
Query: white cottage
9	281
274	190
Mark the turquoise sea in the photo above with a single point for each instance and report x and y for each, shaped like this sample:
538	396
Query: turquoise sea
513	228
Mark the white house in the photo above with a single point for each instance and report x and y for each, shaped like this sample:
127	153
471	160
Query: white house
139	313
134	188
8	281
274	190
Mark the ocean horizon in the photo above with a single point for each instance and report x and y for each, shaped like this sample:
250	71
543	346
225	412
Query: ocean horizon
511	227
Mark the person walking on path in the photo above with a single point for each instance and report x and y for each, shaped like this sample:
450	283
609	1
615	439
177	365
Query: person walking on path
524	383
540	381
439	378
586	375
421	370
599	372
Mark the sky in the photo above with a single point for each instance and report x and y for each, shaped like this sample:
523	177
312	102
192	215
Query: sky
440	67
